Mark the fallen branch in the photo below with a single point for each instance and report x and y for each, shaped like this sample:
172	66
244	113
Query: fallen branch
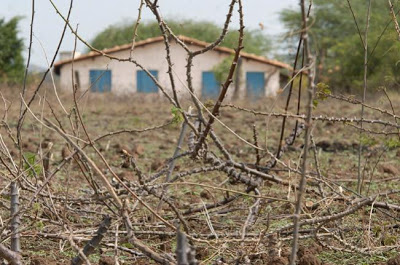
94	242
14	258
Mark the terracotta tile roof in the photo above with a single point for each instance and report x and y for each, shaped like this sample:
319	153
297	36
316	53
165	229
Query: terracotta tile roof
246	55
186	40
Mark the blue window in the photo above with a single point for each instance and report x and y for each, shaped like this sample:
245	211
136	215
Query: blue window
100	80
210	85
144	83
255	84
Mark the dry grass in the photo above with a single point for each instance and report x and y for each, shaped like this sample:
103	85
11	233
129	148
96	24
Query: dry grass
45	223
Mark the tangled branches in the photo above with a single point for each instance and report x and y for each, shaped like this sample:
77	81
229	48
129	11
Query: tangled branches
201	192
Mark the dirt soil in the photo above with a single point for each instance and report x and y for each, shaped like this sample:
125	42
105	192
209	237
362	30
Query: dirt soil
77	200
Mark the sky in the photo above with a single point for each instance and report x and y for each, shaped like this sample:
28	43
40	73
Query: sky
93	16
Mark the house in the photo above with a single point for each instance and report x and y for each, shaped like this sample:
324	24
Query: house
256	76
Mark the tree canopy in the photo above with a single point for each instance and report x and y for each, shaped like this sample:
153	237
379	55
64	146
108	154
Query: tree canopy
11	59
340	52
254	40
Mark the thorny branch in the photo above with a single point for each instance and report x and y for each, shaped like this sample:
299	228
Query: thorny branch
308	124
220	191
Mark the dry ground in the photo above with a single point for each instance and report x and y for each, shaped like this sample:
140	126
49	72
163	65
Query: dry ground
46	221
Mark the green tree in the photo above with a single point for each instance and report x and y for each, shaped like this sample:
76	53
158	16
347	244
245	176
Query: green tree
221	70
340	53
11	59
254	41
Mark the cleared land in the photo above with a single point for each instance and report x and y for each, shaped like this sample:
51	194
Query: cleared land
138	139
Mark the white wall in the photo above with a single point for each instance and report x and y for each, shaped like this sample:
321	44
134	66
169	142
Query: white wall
152	56
123	74
271	76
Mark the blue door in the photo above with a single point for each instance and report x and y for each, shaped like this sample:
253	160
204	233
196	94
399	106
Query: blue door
255	84
144	83
210	85
100	80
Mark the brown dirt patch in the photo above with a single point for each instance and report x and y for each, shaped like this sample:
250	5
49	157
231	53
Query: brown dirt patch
43	261
307	255
390	169
106	260
394	261
278	261
309	259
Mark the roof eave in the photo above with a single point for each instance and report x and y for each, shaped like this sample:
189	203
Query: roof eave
188	40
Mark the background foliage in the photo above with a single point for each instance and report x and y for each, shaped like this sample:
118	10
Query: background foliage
11	59
254	41
340	52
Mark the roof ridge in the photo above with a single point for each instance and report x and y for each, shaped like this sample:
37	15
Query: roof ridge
183	38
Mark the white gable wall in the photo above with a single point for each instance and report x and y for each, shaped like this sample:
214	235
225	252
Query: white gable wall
152	57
